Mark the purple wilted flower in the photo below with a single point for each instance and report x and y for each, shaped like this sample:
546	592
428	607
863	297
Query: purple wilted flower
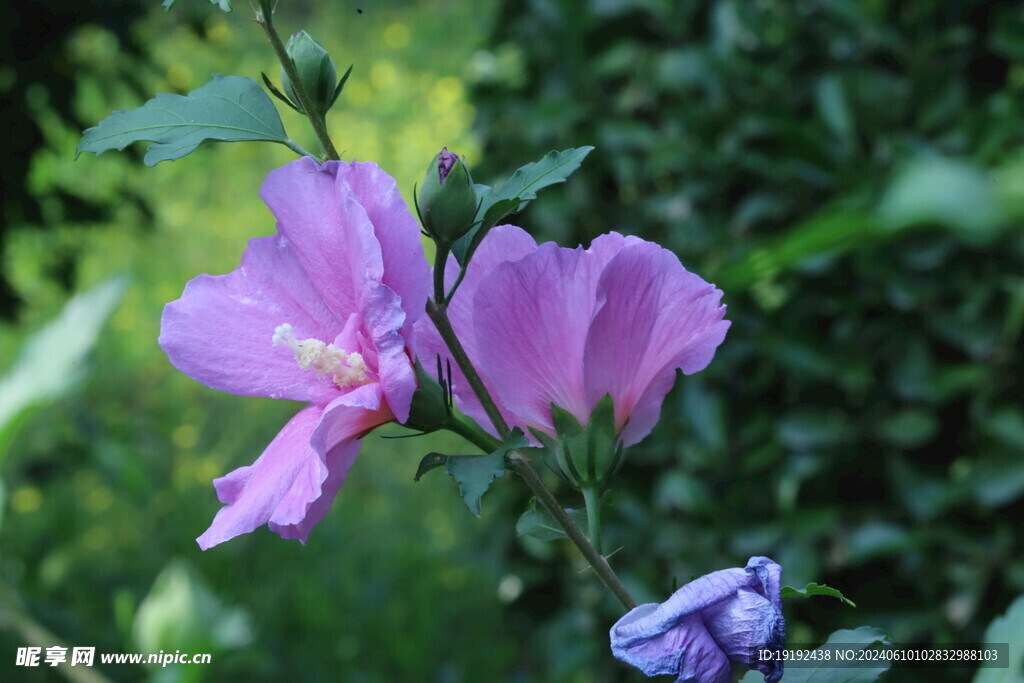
321	312
723	617
544	324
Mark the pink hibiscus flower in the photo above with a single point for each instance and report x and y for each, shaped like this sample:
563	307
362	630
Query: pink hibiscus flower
544	324
321	312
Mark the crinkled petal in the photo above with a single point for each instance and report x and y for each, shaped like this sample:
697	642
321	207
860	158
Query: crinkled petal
278	487
292	484
685	650
531	319
656	317
384	317
220	332
503	243
735	610
329	230
351	415
406	270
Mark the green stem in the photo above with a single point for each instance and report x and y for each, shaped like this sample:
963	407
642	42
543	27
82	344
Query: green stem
444	327
298	149
440	261
265	20
516	460
592	500
473	433
597	562
458	281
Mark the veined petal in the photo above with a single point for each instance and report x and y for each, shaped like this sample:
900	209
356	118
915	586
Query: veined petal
278	487
406	270
531	318
503	243
329	230
220	332
656	317
292	484
685	650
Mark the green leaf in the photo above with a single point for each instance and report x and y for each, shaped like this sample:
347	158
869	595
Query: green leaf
51	360
1008	628
827	672
225	5
540	524
227	109
474	473
429	462
516	192
815	589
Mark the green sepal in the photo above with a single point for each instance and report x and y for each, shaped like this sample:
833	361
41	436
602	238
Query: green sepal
474	473
430	409
341	85
277	93
538	523
587	457
815	589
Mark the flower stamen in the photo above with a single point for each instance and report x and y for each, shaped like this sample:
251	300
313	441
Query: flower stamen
346	369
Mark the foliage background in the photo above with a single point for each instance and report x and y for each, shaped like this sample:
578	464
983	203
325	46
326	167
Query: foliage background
849	173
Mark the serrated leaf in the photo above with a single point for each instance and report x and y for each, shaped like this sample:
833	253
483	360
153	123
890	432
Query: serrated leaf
429	462
815	589
1007	628
227	109
540	524
825	671
516	192
51	360
474	473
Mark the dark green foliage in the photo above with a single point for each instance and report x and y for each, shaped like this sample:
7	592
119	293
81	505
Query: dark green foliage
847	173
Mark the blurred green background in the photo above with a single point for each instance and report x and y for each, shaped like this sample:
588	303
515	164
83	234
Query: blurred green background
849	173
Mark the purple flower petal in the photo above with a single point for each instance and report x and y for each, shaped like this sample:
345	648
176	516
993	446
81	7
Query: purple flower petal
384	318
291	485
724	616
406	271
656	317
503	243
220	332
531	318
330	232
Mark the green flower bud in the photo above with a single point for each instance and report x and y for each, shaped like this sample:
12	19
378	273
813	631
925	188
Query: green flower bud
447	201
430	409
316	72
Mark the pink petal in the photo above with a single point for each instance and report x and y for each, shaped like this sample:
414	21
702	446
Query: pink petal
383	317
406	270
292	484
503	243
329	230
220	332
656	317
531	318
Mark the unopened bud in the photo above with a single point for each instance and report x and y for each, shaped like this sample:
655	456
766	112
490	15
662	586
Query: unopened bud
316	72
446	199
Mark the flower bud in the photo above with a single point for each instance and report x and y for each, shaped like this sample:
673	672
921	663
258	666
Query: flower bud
316	72
446	200
430	409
